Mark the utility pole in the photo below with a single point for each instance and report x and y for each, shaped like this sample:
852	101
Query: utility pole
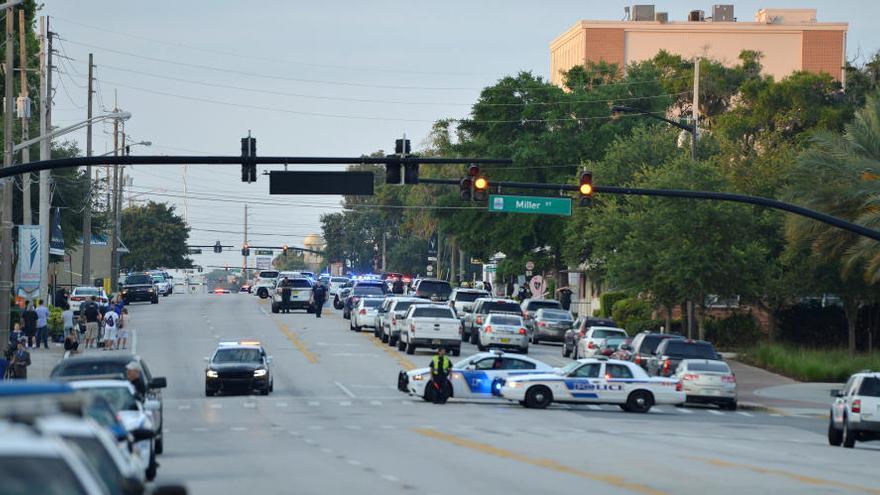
114	237
6	205
384	241
25	120
86	277
45	153
695	121
244	257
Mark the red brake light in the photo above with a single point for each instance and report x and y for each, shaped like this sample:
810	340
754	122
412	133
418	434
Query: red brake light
488	329
690	376
678	386
857	406
542	324
522	331
728	379
591	345
362	311
638	359
666	367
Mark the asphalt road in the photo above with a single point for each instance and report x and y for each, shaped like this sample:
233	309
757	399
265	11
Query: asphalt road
337	424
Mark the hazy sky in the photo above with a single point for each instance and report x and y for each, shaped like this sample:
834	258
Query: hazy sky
327	78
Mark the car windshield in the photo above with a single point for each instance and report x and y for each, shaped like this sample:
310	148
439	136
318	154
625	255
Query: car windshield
436	288
870	387
368	290
402	306
296	283
86	291
158	278
238	355
506	320
556	314
373	303
536	305
501	307
614	343
469	296
268	274
338	280
690	350
24	475
88	368
708	366
119	398
568	368
604	334
433	312
101	461
650	343
138	280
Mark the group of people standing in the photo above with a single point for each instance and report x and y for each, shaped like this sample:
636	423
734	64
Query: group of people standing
106	327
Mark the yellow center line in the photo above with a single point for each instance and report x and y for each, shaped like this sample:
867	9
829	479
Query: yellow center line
296	341
404	362
549	464
807	480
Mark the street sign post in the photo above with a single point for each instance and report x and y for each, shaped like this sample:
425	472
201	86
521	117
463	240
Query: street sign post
263	252
538	205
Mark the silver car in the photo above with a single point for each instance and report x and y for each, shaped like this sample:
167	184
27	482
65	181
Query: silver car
708	381
550	325
503	331
392	322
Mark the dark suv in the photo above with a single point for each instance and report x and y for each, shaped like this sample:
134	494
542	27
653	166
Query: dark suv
645	343
670	352
139	287
432	288
482	307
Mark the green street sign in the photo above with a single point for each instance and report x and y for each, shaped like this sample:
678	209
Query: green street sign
539	205
263	252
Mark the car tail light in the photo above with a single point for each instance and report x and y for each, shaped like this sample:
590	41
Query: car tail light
362	312
728	379
542	324
488	329
607	352
690	376
522	331
666	367
857	406
638	359
678	386
591	345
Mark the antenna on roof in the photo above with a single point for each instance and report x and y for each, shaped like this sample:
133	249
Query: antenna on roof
626	13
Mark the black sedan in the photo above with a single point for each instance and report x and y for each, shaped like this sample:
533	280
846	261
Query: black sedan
239	367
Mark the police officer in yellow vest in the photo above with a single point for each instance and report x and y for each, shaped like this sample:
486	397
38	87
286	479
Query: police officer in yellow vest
441	366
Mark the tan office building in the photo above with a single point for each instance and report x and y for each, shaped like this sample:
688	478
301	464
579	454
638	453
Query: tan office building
790	40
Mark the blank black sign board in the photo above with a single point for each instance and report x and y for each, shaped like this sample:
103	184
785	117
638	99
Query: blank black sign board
352	183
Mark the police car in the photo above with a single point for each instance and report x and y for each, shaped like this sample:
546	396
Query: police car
476	376
595	381
240	366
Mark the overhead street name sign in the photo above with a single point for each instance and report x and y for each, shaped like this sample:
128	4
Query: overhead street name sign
538	205
264	252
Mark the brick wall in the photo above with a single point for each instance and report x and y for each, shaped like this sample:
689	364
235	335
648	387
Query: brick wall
823	52
606	44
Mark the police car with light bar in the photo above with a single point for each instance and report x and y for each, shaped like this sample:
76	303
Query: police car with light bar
595	381
476	377
240	366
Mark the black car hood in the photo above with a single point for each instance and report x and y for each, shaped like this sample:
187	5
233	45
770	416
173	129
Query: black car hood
235	366
137	286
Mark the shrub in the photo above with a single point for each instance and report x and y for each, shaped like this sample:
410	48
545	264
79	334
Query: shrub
629	310
635	327
606	302
734	332
56	326
815	365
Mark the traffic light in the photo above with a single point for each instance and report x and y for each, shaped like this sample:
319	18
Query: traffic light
480	184
586	188
464	188
245	250
248	154
284	250
392	170
411	173
218	248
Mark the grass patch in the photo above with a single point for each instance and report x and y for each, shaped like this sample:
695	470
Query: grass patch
811	365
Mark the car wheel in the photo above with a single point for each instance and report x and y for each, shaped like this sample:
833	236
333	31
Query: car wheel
152	467
263	293
565	350
535	339
410	349
538	397
351	325
401	345
729	406
376	332
639	401
849	436
835	436
384	337
524	350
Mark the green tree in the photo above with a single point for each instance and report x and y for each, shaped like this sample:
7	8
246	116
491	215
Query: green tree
292	262
155	236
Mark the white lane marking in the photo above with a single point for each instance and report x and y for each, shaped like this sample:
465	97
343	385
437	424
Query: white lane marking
345	403
183	406
713	411
345	390
281	404
249	405
375	402
743	413
239	428
388	477
314	403
594	407
216	406
354	462
683	410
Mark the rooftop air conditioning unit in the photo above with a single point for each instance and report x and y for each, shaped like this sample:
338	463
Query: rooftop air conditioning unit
722	13
697	16
662	17
643	13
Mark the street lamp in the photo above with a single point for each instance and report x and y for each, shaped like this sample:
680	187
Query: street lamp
65	130
692	129
139	143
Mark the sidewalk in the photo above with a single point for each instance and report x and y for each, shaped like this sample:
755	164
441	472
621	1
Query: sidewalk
764	390
43	360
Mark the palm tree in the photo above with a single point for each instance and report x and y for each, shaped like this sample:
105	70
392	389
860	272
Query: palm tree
838	175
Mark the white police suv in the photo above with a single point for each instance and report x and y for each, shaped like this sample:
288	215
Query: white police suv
595	381
855	414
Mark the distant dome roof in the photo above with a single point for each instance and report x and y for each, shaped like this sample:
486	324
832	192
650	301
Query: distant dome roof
313	240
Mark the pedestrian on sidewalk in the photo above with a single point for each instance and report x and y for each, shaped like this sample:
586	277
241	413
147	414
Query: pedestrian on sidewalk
21	359
67	321
89	310
122	329
15	335
42	324
71	343
110	321
29	322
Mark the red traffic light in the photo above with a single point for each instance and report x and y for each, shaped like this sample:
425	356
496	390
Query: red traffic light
473	171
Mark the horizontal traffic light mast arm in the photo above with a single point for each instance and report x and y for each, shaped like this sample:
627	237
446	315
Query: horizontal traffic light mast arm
233	160
679	193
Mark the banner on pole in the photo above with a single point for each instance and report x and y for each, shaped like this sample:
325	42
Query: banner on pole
56	237
30	271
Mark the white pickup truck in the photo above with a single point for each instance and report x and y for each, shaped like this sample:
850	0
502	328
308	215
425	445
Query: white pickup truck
430	325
